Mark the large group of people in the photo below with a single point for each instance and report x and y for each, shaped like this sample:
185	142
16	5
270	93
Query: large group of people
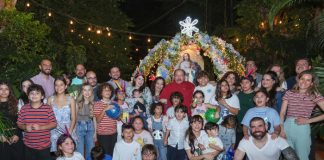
260	116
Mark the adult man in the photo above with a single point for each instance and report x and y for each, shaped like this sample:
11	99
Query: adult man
91	78
115	80
80	72
261	146
252	68
178	85
44	78
301	65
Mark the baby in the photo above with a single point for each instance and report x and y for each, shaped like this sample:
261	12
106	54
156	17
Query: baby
139	108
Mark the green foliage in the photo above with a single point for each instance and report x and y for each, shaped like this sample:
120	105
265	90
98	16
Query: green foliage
6	126
74	55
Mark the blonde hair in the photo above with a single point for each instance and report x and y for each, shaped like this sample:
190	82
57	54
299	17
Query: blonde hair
313	89
80	99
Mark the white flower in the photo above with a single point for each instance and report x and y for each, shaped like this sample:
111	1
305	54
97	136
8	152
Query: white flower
187	27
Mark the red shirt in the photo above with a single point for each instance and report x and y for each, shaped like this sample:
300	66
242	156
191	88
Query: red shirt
185	88
107	125
43	115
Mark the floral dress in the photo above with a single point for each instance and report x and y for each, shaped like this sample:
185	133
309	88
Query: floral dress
63	118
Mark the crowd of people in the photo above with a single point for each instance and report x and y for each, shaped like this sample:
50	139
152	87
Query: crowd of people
260	116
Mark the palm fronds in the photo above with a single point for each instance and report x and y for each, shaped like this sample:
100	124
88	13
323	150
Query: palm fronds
6	126
276	8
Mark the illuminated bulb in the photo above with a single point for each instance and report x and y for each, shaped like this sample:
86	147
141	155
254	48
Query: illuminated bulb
296	25
71	22
252	37
130	37
237	39
130	57
109	34
71	30
280	22
49	14
125	49
136	49
149	40
98	31
262	23
89	28
148	50
82	37
92	42
98	42
28	4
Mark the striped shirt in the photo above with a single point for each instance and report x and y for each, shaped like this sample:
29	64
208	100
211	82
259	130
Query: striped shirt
107	125
43	115
300	105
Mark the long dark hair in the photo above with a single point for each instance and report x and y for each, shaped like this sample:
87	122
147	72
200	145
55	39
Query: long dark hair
189	133
152	87
237	78
12	100
141	88
23	96
273	91
219	92
60	141
61	78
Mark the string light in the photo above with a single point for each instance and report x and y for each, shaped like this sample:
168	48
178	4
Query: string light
125	49
130	37
71	22
27	4
89	28
109	34
49	14
72	30
98	31
237	39
136	49
149	40
280	22
296	25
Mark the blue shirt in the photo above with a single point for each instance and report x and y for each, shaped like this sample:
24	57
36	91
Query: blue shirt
270	116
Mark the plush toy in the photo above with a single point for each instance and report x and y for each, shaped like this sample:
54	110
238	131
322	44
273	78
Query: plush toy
157	134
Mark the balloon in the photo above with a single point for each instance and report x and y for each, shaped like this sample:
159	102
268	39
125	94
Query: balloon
115	112
210	115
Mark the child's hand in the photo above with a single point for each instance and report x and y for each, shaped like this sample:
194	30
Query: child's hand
246	137
14	139
94	137
141	100
274	135
165	142
283	134
221	101
208	156
164	101
201	146
36	127
107	107
29	127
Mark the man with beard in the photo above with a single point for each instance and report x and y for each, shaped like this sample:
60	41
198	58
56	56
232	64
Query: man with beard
44	78
91	78
80	72
301	65
261	147
115	80
178	85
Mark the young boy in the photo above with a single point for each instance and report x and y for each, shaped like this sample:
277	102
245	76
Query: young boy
127	148
175	134
176	99
204	85
36	119
214	142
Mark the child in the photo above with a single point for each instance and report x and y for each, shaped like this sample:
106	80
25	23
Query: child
97	153
204	85
214	142
227	132
106	126
85	121
139	108
141	135
64	109
36	119
149	152
11	144
176	99
157	126
175	134
23	98
127	148
199	107
125	117
270	115
66	147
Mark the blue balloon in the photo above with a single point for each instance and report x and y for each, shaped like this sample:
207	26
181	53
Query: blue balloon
115	112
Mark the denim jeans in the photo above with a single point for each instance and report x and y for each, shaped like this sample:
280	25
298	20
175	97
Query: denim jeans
162	155
85	132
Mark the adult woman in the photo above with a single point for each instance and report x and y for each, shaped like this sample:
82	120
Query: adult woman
197	140
11	148
228	102
146	98
64	109
156	88
270	82
298	104
23	98
281	75
233	79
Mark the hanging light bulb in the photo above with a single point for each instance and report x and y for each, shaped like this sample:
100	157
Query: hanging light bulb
71	22
98	31
149	40
27	4
109	34
130	37
72	30
89	28
49	14
237	39
136	49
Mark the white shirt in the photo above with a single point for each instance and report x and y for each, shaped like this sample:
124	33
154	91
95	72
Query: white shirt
270	151
170	112
208	90
232	101
76	156
177	132
212	140
127	151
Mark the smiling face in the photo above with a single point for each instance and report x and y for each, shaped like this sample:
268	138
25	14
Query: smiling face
267	82
87	91
179	76
139	81
4	91
301	66
159	85
60	86
35	96
67	147
175	101
114	73
91	78
305	82
231	79
179	114
158	110
258	129
203	81
199	98
46	67
196	126
25	85
80	70
224	86
138	124
260	99
246	85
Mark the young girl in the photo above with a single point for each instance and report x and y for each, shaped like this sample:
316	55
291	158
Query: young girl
298	105
270	116
228	102
125	116
65	111
85	120
176	99
23	98
141	135
66	148
199	107
11	148
197	140
157	126
227	132
156	88
232	79
106	126
127	149
175	134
